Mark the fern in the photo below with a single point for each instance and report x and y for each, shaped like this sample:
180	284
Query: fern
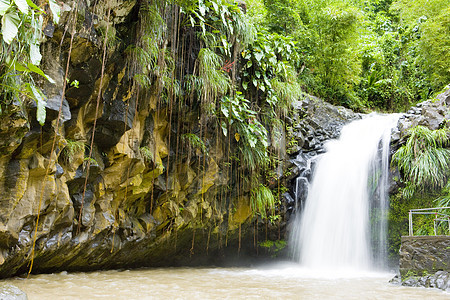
213	79
262	200
424	160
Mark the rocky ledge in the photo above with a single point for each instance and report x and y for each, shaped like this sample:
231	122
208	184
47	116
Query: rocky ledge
438	280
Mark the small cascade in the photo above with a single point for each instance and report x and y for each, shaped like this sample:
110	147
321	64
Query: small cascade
343	222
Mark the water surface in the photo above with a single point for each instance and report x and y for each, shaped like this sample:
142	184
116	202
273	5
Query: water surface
286	281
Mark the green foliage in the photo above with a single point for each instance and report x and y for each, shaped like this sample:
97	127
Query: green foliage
262	201
20	55
424	160
285	15
444	200
144	56
146	153
429	21
435	48
335	57
274	247
398	219
71	149
194	142
213	80
267	71
375	54
250	134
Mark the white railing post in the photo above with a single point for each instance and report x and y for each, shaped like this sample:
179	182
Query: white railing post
410	224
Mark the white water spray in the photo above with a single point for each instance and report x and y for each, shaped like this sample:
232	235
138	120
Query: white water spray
349	180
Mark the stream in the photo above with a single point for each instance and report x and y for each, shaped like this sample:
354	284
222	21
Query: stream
281	281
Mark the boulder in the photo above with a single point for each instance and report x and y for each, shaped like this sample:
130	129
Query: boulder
11	292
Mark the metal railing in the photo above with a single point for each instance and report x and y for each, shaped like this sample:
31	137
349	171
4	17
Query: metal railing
436	211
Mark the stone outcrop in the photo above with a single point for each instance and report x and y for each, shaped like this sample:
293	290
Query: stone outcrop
314	123
432	113
439	280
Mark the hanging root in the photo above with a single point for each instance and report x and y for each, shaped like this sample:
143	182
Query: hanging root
47	170
95	123
193	242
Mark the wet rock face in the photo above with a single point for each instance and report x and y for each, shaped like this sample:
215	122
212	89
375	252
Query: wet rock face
13	127
314	123
131	207
424	255
432	113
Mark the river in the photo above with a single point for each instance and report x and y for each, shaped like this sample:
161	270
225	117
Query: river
282	281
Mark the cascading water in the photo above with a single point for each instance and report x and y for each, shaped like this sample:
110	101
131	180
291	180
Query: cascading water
349	187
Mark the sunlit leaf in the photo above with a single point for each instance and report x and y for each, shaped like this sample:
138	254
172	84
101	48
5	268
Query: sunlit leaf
225	112
202	10
224	128
237	136
32	5
258	56
40	102
10	26
22	5
35	54
4	5
37	70
56	11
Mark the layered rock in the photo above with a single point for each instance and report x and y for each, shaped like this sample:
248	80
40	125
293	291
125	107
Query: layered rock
129	199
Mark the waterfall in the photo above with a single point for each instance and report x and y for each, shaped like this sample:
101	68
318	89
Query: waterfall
343	223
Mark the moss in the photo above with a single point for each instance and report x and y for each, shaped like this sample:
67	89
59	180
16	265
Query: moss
399	219
273	247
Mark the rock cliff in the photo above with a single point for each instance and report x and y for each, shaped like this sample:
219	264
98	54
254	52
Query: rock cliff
133	197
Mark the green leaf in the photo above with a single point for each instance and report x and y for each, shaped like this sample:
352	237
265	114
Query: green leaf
224	110
202	10
4	5
37	70
10	26
32	5
40	102
224	128
252	140
22	5
215	6
35	54
258	56
56	11
192	21
273	60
